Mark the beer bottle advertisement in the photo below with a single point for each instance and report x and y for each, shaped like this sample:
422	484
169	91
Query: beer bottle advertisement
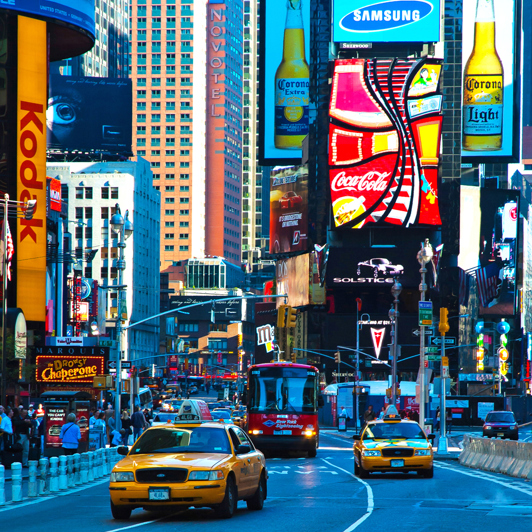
488	78
284	85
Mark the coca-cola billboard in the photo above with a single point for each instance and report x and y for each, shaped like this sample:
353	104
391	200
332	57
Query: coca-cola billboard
384	142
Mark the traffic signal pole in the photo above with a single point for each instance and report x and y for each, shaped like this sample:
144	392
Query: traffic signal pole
443	327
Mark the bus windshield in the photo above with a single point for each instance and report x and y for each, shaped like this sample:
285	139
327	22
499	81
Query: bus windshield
282	389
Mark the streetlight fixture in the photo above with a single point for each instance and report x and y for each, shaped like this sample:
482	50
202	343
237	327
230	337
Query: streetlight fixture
124	229
424	255
397	288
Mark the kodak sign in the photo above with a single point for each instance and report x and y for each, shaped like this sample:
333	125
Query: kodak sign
30	248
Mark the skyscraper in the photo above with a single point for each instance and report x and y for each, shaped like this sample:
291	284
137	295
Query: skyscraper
186	67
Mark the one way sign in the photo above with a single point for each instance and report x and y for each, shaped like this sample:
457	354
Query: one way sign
437	340
126	364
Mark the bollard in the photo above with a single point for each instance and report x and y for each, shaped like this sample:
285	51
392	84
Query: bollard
95	459
16	481
2	485
32	483
91	466
105	463
44	487
54	470
84	468
70	471
110	464
77	469
63	480
99	463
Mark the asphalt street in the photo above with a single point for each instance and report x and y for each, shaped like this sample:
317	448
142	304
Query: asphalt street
312	495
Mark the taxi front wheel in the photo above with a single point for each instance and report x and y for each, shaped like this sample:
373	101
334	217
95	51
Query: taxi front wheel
427	473
120	512
257	501
228	506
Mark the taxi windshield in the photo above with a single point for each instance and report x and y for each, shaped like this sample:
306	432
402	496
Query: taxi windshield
181	440
394	431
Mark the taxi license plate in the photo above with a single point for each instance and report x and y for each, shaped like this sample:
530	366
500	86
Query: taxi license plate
397	463
159	494
500	434
282	432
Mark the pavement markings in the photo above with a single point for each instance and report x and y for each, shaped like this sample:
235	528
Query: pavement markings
371	501
144	522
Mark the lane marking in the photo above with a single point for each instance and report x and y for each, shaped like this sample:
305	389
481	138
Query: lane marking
489	478
45	498
145	522
371	501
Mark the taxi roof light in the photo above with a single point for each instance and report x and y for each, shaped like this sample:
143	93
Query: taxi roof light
391	414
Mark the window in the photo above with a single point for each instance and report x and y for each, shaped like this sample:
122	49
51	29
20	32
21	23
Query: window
79	213
184	176
169	200
79	192
88	212
183	224
156	93
218	327
141	130
79	231
217	344
184	153
184	212
105	213
169	224
169	236
105	192
88	232
184	188
169	188
155	130
169	248
184	200
183	236
170	176
169	212
188	327
114	192
156	176
183	248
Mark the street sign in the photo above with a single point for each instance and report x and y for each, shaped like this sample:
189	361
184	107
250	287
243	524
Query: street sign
106	343
428	332
433	358
425	313
445	372
431	349
445	361
437	340
126	364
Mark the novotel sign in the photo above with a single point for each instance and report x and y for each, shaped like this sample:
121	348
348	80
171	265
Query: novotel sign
386	21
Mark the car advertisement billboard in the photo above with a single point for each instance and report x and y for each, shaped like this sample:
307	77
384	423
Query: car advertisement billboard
76	12
73	124
386	21
496	278
288	209
384	142
284	80
488	89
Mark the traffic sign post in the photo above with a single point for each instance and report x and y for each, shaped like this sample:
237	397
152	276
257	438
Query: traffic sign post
126	364
425	313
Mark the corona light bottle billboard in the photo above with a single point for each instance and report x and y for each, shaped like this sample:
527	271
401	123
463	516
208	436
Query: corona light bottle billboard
483	86
292	84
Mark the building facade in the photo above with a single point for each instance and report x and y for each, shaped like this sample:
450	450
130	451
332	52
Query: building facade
92	191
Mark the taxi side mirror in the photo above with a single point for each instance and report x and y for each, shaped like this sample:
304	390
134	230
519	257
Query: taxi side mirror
356	437
243	449
122	450
431	437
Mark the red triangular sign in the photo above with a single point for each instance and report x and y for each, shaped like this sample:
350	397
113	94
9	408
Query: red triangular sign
377	335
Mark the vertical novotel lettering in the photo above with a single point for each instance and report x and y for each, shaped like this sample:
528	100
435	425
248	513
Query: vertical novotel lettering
31	166
216	31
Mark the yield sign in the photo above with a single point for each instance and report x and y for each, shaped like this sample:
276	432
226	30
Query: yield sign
377	335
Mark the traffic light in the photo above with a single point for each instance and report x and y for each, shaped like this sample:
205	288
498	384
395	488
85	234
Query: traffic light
281	316
186	364
293	357
443	327
337	357
291	317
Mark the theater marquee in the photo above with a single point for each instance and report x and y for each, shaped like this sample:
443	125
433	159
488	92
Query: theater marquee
69	369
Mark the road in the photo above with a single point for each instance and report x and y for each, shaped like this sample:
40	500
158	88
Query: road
319	494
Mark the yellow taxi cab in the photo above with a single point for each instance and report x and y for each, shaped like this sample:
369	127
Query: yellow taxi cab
194	462
392	444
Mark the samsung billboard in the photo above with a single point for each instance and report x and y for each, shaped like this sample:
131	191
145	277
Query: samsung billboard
75	12
387	21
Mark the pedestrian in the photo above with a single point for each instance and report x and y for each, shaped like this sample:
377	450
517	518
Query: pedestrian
92	420
369	414
126	424
116	437
22	427
70	435
2	412
6	428
437	422
449	421
139	423
110	425
382	412
31	409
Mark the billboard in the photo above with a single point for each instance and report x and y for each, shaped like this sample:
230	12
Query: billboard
288	209
488	56
386	21
72	122
384	141
30	246
78	13
293	277
496	278
69	368
284	80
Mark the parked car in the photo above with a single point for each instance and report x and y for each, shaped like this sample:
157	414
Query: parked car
501	424
383	266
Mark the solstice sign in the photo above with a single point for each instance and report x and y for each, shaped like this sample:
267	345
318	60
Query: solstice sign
69	368
384	141
386	21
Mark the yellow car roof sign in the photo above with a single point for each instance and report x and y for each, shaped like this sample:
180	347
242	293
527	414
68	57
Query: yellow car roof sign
193	410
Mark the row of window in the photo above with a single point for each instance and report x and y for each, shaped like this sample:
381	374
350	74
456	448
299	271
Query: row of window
87	193
156	130
213	327
171	236
171	248
169	69
157	164
182	212
171	176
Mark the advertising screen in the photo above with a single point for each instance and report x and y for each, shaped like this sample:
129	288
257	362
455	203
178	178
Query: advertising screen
284	83
496	278
293	279
76	12
384	142
488	50
73	124
288	209
386	21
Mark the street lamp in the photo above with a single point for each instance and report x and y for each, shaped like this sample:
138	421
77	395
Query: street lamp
394	315
424	255
123	228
